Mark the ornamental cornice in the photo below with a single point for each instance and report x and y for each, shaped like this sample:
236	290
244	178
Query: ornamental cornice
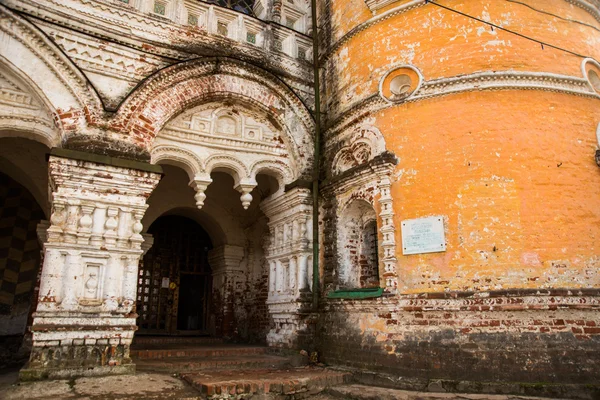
479	81
166	37
218	142
591	6
88	176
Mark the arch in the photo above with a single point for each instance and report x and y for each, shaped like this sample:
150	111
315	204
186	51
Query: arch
358	245
73	100
180	87
20	214
275	168
229	164
26	112
24	160
174	196
178	157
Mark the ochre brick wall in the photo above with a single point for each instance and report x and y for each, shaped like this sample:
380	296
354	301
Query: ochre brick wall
513	173
511	170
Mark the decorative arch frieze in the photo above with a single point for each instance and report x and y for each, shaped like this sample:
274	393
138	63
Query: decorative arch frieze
178	88
70	97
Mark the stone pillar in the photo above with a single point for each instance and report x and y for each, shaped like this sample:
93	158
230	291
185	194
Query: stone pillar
228	284
83	324
287	254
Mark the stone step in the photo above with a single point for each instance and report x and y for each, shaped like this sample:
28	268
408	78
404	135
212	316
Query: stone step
365	392
242	383
193	364
141	340
191	350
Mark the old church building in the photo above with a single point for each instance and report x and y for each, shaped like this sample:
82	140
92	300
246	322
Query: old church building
404	187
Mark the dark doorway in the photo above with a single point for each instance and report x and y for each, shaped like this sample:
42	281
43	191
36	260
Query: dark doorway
175	279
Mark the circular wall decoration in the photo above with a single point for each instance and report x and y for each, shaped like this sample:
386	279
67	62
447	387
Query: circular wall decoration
591	71
400	83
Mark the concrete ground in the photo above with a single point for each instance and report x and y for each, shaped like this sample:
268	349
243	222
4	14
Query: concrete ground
139	386
163	386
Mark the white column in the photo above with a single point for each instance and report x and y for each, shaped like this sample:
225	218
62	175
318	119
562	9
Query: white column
272	276
302	272
279	285
292	275
111	283
129	288
71	272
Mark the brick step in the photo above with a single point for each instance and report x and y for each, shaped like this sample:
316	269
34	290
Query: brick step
140	340
193	364
191	350
240	384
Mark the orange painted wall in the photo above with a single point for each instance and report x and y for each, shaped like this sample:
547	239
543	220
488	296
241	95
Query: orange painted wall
514	175
512	171
443	44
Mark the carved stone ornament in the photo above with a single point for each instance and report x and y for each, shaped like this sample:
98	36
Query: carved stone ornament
400	83
591	71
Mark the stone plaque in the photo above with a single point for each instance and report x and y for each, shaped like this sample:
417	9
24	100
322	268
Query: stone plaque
423	235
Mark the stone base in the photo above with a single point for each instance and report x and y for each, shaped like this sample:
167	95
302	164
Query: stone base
423	385
35	374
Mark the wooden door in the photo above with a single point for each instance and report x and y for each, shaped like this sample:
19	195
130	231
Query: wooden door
175	280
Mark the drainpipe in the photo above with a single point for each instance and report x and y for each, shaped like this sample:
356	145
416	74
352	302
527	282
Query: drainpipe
317	156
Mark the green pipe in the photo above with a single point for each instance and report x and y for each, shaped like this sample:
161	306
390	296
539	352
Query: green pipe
317	156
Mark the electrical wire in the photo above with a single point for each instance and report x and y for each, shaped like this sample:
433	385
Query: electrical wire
505	29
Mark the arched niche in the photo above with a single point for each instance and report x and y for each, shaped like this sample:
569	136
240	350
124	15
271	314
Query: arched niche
358	246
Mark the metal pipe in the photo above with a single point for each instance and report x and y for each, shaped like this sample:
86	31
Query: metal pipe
317	156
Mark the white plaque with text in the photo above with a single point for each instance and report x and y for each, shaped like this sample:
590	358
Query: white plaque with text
423	235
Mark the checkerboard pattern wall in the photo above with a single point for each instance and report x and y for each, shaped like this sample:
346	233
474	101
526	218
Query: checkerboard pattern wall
19	247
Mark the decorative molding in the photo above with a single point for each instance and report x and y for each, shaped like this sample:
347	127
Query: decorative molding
23	112
479	81
590	69
126	22
483	301
360	146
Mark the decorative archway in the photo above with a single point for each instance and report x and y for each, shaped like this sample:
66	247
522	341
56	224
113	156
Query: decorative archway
69	98
184	86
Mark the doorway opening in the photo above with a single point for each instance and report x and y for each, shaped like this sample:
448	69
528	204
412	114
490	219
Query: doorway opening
175	279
